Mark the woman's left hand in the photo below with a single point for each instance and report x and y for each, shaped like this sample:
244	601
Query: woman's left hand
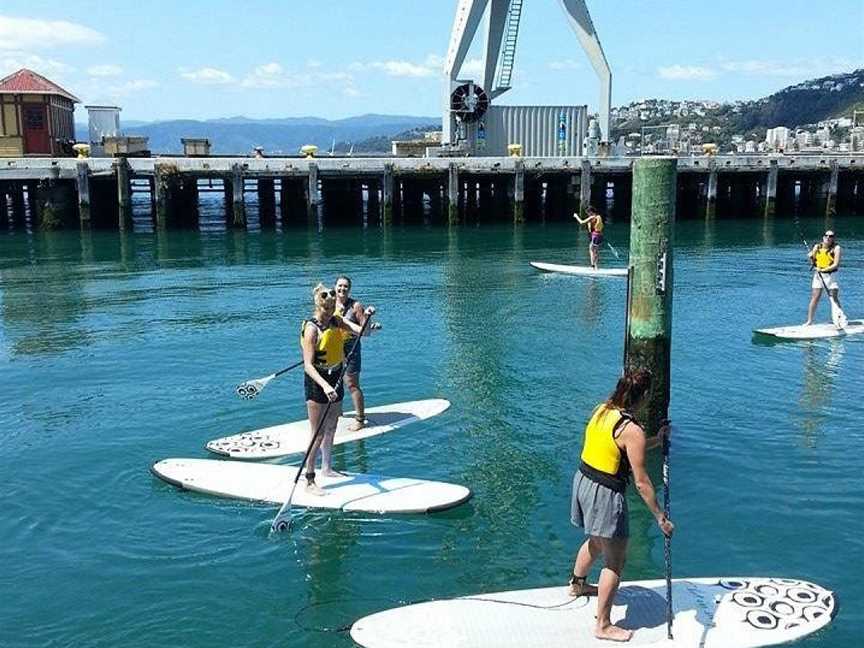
370	310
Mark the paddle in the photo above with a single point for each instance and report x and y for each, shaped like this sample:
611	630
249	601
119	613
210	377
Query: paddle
282	521
251	388
667	541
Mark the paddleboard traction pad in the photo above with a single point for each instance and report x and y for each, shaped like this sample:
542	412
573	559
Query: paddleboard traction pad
709	613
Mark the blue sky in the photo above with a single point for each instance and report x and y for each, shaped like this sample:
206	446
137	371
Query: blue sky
163	59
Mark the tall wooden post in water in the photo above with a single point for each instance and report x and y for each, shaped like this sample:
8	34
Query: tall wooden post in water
124	194
649	311
453	216
238	188
519	193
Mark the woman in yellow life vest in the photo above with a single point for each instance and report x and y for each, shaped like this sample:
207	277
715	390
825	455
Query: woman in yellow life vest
322	339
614	447
825	257
594	222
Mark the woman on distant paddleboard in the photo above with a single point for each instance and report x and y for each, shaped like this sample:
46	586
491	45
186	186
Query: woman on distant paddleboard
352	311
825	257
322	339
594	222
614	446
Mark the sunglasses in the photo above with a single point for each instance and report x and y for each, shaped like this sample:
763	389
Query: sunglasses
324	294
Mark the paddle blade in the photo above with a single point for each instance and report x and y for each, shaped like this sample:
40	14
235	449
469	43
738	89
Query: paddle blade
838	316
251	388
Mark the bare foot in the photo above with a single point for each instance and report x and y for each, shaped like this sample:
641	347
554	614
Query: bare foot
613	633
807	323
314	489
356	424
332	473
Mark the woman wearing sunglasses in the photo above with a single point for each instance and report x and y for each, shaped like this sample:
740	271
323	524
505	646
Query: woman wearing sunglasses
322	339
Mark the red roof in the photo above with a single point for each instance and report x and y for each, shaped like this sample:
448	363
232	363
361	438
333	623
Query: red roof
26	81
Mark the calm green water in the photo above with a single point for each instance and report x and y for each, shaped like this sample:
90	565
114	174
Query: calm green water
118	351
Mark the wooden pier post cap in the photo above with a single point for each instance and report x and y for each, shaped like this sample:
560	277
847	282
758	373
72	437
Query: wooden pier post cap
514	150
308	150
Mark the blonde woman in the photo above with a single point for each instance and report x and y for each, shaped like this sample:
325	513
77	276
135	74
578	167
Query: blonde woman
322	339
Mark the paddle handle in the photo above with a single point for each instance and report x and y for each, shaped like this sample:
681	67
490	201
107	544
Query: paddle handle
293	366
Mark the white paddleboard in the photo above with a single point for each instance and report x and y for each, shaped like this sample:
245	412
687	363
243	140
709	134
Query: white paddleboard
271	483
293	438
813	331
708	613
587	271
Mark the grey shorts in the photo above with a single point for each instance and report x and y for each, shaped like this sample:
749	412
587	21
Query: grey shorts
598	509
354	364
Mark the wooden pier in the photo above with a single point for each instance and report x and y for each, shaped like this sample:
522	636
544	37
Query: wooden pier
57	193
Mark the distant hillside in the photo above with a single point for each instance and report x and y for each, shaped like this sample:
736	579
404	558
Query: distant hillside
797	106
277	136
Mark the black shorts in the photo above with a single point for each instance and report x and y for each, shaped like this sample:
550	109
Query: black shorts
313	390
354	363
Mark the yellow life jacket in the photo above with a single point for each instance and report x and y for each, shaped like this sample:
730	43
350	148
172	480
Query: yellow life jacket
329	351
602	459
597	225
824	257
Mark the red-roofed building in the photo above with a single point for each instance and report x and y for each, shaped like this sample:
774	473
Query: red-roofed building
36	116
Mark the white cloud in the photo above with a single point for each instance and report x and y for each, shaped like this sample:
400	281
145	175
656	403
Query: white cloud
207	76
686	73
130	87
14	61
27	33
269	75
351	91
801	68
104	70
566	64
431	66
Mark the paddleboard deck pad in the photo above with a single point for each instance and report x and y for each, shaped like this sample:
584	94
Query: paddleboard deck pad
271	483
813	331
708	613
586	271
293	438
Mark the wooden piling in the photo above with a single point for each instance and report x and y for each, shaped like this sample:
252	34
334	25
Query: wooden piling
33	205
711	197
266	203
238	206
82	182
124	194
649	313
4	208
519	193
771	189
18	210
585	188
163	181
453	215
387	196
831	198
55	200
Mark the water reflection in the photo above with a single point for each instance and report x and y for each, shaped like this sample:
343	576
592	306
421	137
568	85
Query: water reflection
821	366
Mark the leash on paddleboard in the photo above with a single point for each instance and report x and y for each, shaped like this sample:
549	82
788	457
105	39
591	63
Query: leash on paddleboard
554	607
251	388
838	317
667	541
614	251
282	521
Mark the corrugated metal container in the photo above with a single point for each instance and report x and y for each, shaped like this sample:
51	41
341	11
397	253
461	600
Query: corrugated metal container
543	131
104	121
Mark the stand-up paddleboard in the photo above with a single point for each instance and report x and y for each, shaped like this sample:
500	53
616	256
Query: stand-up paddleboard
708	613
813	331
293	438
587	271
272	484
